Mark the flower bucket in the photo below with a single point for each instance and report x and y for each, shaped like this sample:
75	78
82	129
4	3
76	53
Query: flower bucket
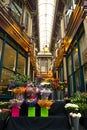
53	95
31	111
15	112
62	95
76	123
44	112
58	94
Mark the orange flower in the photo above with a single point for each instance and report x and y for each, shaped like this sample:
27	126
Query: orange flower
45	103
19	90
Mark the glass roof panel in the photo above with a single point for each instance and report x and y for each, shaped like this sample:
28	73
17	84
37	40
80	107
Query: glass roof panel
46	10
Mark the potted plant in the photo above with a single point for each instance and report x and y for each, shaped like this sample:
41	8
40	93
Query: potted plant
19	80
81	100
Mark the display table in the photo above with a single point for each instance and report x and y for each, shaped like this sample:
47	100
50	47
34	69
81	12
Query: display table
38	123
57	119
1	124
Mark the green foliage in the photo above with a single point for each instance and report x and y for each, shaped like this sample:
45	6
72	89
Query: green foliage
19	80
81	101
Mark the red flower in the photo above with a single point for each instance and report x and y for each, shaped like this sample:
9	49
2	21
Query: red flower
56	79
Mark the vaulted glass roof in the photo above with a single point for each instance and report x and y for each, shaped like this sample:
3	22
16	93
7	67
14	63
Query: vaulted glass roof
46	10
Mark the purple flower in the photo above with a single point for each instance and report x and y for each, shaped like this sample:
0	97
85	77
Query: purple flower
31	102
12	85
39	86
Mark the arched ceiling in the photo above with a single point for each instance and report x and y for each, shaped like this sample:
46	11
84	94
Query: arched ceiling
32	4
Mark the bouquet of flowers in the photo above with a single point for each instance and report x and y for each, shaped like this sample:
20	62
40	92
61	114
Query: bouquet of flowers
45	91
16	102
45	103
57	84
71	107
31	94
18	80
4	110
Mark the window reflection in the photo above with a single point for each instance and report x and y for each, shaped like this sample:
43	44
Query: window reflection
69	65
16	9
4	82
0	48
21	64
44	65
85	76
76	59
78	80
83	49
9	58
26	21
71	85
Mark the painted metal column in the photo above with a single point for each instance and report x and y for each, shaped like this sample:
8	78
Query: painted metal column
56	72
28	72
85	25
64	66
65	71
33	74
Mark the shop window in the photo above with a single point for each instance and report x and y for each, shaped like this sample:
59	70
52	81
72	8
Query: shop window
69	3
69	65
78	79
44	65
75	58
26	21
85	76
71	85
16	9
1	33
61	75
9	60
4	81
83	49
21	64
0	48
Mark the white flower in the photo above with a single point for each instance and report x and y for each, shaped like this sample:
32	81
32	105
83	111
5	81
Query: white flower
72	106
46	91
75	115
70	113
79	114
44	83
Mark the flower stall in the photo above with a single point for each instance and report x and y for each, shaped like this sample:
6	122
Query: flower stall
32	94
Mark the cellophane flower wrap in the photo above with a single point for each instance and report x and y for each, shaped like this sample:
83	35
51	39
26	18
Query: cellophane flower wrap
31	94
45	91
4	110
16	102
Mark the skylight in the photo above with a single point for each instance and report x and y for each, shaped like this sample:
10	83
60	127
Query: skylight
46	10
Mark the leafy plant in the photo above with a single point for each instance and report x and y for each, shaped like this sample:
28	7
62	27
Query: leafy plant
81	101
19	80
